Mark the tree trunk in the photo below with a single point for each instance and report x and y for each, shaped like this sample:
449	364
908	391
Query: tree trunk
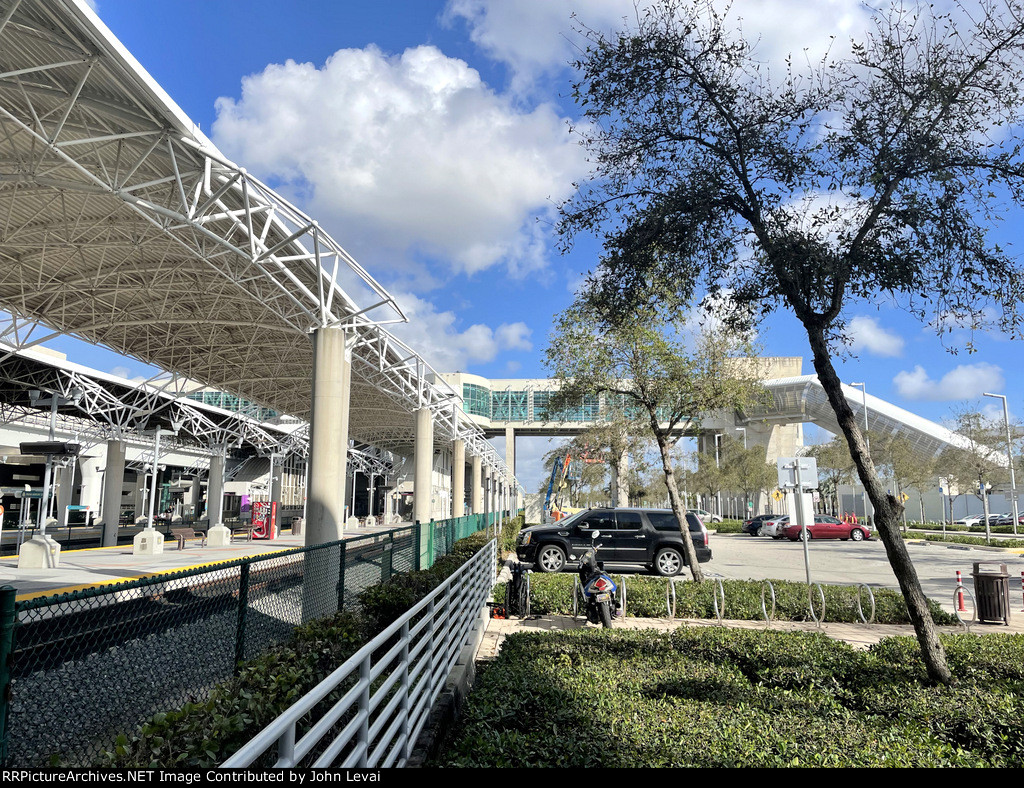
887	513
678	506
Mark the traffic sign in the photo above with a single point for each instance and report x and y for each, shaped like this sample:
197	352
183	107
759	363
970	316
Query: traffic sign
792	468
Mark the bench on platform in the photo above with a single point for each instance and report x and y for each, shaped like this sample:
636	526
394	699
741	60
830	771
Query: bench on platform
241	530
181	534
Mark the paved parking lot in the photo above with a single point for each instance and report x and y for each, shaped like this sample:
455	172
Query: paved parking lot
742	557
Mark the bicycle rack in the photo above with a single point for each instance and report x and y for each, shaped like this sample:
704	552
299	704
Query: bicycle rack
860	607
810	602
767	586
719	590
622	594
670	597
957	592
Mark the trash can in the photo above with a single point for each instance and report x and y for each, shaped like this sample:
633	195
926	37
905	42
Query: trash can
297	523
992	593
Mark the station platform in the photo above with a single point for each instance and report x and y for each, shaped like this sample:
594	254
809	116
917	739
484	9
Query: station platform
80	569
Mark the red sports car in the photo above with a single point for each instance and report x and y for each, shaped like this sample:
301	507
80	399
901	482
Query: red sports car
826	527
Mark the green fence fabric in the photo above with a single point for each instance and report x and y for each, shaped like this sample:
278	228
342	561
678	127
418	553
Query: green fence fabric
87	665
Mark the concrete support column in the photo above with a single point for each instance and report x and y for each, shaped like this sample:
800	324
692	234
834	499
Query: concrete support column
195	494
476	489
423	466
328	443
458	477
217	535
113	489
66	486
510	449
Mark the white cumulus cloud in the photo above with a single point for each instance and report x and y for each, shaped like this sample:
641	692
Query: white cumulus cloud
967	381
536	36
437	337
407	155
866	334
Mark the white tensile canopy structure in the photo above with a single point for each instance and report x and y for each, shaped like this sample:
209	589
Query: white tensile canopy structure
123	225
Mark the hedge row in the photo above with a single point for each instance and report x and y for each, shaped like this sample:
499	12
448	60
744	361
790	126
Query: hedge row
646	598
971	540
709	697
205	733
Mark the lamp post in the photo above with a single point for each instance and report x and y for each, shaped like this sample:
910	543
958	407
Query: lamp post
864	389
1009	458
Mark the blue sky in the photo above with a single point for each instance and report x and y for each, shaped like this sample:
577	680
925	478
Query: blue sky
430	137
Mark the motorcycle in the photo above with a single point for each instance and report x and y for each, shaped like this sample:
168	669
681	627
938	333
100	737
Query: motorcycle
597	587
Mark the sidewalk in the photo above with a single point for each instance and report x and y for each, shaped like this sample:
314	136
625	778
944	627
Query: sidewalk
857	635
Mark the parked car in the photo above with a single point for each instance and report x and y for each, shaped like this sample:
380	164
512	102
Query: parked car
707	517
753	525
647	537
774	526
828	527
969	520
1007	519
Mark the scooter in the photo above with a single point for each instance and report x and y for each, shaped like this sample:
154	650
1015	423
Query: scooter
597	587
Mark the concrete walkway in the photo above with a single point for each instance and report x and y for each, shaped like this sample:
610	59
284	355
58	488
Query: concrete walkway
857	635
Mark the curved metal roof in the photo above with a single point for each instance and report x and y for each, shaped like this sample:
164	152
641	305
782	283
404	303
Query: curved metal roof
123	225
803	399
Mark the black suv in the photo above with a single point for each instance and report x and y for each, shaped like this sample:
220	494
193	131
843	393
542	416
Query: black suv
628	536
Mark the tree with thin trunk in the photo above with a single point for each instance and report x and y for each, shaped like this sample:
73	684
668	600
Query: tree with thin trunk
874	175
654	373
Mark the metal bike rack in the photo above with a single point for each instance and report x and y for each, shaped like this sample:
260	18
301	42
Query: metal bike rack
622	590
768	617
960	589
810	602
718	591
860	607
577	596
670	597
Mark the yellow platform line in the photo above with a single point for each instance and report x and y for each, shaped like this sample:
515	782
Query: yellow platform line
100	583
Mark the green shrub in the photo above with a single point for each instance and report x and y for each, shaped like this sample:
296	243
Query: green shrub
705	696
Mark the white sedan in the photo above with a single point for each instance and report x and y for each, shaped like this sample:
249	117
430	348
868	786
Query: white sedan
776	527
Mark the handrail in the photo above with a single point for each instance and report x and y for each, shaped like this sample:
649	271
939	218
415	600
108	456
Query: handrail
460	598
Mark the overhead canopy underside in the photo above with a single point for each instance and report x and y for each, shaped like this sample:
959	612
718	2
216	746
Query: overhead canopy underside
122	225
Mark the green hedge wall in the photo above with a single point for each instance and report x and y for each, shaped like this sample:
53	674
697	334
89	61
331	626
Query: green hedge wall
710	697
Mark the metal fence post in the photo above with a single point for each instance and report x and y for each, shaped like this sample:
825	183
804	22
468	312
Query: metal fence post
342	555
243	607
388	559
8	618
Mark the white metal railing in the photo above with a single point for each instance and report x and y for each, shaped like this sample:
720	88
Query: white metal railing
387	696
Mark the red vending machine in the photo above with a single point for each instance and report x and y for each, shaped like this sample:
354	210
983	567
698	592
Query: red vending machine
264	520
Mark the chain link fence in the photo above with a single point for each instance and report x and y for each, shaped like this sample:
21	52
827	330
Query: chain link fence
85	666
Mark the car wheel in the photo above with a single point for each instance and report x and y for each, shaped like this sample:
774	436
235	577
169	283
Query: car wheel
668	562
806	535
756	531
550	558
857	535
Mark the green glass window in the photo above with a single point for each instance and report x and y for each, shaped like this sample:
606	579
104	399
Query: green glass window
476	400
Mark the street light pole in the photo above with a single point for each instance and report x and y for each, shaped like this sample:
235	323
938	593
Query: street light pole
864	389
1009	458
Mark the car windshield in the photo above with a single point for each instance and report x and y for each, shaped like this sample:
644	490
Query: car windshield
572	518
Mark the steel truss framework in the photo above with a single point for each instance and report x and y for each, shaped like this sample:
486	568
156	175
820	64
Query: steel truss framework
122	224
